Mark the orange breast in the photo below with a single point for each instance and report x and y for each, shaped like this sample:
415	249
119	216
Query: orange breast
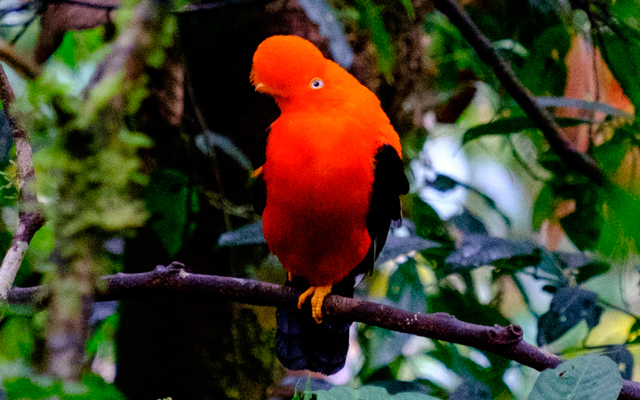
319	176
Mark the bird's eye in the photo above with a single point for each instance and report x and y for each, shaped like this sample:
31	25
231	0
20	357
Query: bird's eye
316	83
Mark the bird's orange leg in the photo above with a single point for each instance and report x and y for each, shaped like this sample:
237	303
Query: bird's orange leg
319	293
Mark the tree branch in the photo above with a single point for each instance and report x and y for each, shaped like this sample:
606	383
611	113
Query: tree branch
175	281
22	64
31	215
543	120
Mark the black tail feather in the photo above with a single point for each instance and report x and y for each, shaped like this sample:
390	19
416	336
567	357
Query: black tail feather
301	343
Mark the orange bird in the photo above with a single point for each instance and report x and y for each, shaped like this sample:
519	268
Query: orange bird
327	192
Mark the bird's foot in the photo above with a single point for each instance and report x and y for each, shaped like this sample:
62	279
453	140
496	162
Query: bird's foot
317	293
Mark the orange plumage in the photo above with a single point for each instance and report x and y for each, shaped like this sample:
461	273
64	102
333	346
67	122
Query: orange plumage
324	155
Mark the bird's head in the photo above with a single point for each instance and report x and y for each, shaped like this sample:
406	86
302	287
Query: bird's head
286	67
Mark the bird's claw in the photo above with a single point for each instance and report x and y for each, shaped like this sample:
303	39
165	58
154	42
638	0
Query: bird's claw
317	293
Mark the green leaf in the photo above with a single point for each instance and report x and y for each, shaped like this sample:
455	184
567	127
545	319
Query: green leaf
337	393
428	223
620	233
371	18
405	288
590	270
507	126
544	71
584	225
409	7
622	55
168	199
543	207
413	396
588	377
16	338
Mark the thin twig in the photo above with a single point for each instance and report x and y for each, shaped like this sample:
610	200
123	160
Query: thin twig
31	214
22	64
543	120
171	281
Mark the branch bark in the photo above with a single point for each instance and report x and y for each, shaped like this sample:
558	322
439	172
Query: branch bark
31	214
175	281
543	120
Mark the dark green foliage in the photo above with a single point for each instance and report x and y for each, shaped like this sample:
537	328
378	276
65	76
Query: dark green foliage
569	306
508	126
544	71
622	357
471	390
168	202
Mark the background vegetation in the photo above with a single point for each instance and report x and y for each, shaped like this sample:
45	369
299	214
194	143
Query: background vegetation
145	129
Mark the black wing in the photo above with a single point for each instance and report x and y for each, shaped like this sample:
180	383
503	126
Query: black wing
389	183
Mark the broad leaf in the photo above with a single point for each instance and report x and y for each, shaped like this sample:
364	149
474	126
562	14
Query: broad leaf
621	51
248	234
622	357
479	250
589	377
471	390
371	18
569	306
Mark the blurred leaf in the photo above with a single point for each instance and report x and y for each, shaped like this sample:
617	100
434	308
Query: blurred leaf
569	306
409	7
248	234
622	357
621	52
341	393
468	224
611	153
380	348
583	226
465	307
168	201
543	207
620	231
590	270
582	105
366	393
208	140
16	338
443	183
371	18
412	396
479	250
544	71
321	13
587	377
402	241
471	390
43	242
428	223
405	288
507	126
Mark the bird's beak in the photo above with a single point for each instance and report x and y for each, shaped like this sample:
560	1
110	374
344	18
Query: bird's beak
260	86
